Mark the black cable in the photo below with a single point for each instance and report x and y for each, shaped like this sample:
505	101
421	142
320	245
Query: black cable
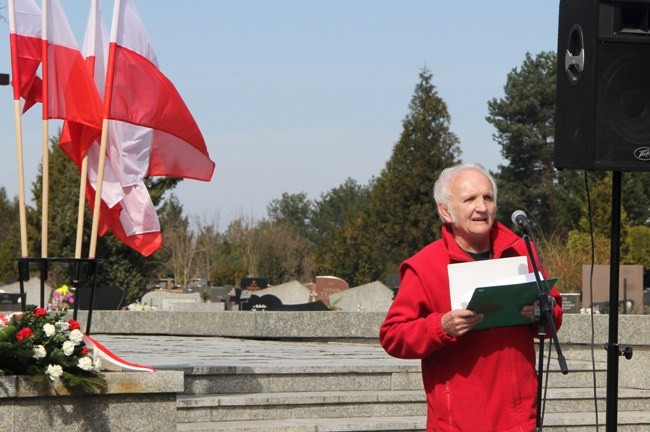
591	297
547	290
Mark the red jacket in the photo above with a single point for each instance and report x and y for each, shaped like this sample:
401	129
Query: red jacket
483	381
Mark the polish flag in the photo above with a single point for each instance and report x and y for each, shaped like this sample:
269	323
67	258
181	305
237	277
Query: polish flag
174	145
70	93
25	41
127	209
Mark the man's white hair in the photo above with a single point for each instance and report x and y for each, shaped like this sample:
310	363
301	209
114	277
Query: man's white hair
441	193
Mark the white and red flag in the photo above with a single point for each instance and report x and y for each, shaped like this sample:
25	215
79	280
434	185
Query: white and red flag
25	42
70	93
126	208
138	93
156	133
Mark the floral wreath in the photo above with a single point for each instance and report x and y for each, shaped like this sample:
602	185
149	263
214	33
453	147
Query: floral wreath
48	347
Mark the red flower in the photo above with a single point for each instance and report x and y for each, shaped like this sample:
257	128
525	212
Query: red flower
74	325
39	312
24	333
84	350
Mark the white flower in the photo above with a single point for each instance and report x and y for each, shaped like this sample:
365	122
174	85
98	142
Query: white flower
76	336
63	325
134	306
85	363
39	352
68	347
55	372
98	363
49	329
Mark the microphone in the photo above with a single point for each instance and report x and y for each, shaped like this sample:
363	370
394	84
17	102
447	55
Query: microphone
519	218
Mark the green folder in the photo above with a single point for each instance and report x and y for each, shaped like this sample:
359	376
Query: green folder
502	304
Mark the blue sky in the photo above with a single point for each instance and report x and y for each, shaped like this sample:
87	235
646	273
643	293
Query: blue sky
297	96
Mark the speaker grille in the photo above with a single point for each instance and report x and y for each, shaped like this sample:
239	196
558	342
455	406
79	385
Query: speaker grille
623	105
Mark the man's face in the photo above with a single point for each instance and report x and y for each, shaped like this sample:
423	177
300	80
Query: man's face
472	209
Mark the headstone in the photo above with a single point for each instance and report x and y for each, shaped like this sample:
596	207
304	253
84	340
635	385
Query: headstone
630	288
392	281
10	302
269	302
328	285
32	291
288	293
219	294
106	298
253	283
371	297
571	303
166	299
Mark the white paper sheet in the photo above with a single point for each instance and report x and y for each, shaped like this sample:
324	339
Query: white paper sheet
465	277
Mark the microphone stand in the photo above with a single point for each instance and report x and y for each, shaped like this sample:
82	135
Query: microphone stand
545	320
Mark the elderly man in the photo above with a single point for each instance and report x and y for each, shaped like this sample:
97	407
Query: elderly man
475	381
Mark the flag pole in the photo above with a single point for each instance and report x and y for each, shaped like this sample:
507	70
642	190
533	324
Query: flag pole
19	135
21	180
45	196
84	163
108	90
81	207
98	190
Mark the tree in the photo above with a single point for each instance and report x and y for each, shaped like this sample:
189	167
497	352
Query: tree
9	237
208	245
335	210
282	253
118	265
525	122
293	209
401	216
403	194
242	243
179	249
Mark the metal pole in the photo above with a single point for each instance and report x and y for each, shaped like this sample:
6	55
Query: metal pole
613	351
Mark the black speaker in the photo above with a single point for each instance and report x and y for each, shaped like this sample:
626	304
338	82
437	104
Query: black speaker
602	119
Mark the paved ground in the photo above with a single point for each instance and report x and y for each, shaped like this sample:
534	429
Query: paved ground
176	351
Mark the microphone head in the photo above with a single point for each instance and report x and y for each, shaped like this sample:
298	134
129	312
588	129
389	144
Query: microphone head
516	215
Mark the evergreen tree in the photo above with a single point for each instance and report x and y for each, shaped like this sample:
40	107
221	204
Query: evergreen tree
402	199
401	217
525	122
9	237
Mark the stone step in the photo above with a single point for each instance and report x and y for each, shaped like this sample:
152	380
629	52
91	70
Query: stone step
228	380
309	405
348	424
272	380
627	421
561	400
269	406
630	421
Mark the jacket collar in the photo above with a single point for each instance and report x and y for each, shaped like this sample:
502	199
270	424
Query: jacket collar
501	238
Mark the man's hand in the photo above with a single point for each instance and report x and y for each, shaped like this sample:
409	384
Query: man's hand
458	322
532	311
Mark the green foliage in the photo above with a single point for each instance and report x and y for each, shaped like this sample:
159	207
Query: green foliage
638	246
401	216
294	210
9	236
332	220
525	121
